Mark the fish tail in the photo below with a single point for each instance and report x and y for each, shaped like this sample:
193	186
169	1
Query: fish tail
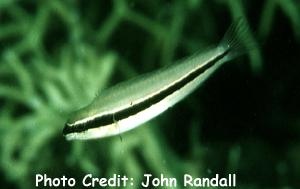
237	40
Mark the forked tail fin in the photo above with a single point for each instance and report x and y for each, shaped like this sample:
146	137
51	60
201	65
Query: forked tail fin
236	40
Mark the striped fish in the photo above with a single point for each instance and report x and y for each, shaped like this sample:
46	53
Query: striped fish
133	102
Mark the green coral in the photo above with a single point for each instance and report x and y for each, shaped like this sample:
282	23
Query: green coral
57	55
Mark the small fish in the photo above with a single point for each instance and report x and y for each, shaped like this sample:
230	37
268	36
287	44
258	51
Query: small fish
133	102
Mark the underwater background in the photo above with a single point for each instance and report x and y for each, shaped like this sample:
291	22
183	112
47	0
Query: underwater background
56	56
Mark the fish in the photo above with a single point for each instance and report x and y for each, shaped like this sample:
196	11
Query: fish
131	103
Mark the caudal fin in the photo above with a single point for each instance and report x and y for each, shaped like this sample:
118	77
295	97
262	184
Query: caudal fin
237	39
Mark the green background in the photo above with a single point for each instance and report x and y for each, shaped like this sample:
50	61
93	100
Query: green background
56	56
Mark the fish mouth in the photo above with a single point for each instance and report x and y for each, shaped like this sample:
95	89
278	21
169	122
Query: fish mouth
68	132
67	129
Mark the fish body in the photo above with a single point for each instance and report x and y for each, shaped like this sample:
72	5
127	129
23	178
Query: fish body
133	102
